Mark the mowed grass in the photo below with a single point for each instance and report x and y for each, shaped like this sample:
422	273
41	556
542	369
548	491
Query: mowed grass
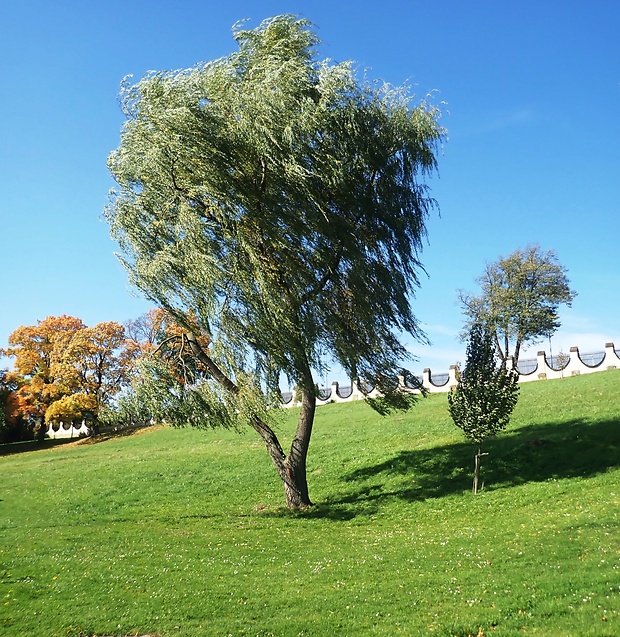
184	533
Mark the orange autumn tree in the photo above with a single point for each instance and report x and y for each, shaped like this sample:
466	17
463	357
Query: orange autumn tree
96	364
35	349
67	371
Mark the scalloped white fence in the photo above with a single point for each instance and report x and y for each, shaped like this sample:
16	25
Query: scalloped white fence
66	431
535	369
539	368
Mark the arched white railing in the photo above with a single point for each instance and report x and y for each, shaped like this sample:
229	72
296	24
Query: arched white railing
539	368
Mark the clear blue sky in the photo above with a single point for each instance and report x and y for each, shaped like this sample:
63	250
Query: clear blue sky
531	94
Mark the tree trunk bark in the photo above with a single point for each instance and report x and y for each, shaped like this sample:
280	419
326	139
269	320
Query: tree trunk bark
517	351
293	476
296	487
477	460
41	430
291	468
503	354
476	471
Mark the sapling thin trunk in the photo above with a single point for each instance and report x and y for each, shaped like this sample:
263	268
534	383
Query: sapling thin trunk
477	462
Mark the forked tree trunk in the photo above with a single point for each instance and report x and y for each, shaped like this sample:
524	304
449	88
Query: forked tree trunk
296	484
291	468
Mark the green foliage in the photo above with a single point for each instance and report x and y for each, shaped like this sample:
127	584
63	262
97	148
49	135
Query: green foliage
519	299
175	545
486	394
277	200
159	395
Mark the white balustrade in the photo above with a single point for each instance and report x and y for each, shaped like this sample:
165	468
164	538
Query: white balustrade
572	365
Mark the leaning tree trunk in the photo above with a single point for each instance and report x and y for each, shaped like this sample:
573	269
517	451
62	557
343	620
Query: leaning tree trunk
291	468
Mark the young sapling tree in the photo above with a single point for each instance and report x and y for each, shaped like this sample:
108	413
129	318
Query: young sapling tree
485	396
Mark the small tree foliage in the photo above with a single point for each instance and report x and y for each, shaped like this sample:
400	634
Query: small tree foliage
519	299
486	393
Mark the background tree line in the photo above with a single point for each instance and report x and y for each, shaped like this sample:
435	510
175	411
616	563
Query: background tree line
65	371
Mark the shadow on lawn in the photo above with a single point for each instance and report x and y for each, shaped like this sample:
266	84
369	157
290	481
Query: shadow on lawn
12	448
530	454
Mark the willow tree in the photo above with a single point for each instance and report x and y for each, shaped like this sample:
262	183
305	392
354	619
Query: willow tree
276	202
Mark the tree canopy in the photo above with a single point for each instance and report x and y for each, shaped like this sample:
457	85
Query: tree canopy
519	299
273	204
66	371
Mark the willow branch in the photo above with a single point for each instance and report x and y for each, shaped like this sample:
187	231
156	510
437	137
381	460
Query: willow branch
264	431
208	362
325	279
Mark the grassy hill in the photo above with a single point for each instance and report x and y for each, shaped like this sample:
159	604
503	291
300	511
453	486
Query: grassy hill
184	533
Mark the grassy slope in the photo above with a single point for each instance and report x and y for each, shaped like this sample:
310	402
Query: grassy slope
182	532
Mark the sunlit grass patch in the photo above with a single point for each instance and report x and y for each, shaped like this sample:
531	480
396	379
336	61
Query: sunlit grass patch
183	532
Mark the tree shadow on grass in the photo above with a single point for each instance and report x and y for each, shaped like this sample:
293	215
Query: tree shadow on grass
534	453
12	448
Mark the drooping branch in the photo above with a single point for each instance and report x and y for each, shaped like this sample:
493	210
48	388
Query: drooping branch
205	211
263	429
208	362
326	278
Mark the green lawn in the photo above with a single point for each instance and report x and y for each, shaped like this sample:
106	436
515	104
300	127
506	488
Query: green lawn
183	532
